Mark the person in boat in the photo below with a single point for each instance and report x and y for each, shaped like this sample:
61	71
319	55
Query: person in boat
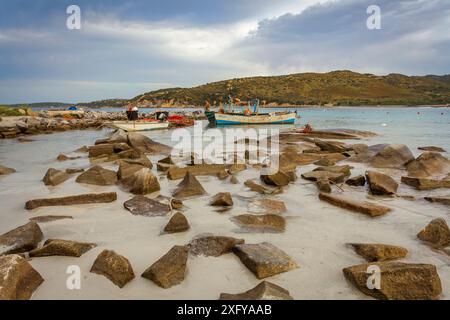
207	105
221	110
247	111
308	128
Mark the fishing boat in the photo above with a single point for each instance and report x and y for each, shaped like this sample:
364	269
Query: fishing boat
231	117
135	126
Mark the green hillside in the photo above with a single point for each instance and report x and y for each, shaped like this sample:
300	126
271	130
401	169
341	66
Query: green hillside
337	88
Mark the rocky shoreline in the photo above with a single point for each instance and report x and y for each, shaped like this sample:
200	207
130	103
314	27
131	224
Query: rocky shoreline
43	123
336	188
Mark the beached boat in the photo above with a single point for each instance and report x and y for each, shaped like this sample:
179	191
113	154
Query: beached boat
139	125
243	118
71	111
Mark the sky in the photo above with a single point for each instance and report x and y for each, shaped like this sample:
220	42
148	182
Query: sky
125	48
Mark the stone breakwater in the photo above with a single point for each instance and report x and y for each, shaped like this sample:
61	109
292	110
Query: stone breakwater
43	123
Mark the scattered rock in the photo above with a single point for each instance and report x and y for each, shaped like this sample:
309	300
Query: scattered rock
234	179
66	248
175	173
54	177
426	184
212	246
394	156
176	204
83	149
325	162
72	200
345	170
45	219
429	164
432	149
6	170
399	281
324	175
262	189
330	146
381	184
280	179
443	200
436	233
63	157
18	279
127	169
266	206
98	176
21	239
147	145
142	206
324	186
170	269
358	181
113	266
379	252
141	182
74	170
264	259
365	207
101	150
178	223
222	199
264	291
189	187
263	223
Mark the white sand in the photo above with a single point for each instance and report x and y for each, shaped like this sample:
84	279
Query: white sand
315	237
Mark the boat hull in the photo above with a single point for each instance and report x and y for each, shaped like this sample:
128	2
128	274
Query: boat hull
235	119
140	126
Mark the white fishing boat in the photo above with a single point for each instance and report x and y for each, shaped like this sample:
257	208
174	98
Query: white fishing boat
135	126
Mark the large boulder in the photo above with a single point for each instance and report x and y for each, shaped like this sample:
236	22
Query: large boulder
212	246
429	164
147	145
178	223
369	208
436	233
222	199
432	149
261	223
379	252
279	179
127	169
394	156
189	187
6	170
170	269
54	177
399	281
263	291
98	176
141	182
425	183
113	266
72	200
345	170
143	206
18	279
381	184
21	239
264	259
55	247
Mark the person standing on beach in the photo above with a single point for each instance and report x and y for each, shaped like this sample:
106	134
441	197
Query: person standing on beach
132	113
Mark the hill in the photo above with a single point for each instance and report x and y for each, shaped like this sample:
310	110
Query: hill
333	88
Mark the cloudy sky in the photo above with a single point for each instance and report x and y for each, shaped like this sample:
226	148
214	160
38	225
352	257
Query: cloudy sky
125	48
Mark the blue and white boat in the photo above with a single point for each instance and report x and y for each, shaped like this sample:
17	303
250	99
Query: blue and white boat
249	118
